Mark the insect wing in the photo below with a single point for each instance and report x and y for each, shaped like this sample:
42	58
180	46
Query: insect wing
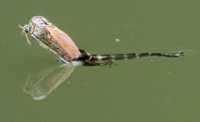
65	41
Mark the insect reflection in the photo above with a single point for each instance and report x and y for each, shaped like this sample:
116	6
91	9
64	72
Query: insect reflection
43	83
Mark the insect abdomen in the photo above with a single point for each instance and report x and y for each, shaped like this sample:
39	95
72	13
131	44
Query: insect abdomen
132	56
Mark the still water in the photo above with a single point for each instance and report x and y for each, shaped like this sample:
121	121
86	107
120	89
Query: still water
153	89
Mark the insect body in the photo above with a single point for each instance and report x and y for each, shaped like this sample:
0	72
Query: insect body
51	37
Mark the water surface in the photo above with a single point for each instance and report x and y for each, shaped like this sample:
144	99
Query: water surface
149	89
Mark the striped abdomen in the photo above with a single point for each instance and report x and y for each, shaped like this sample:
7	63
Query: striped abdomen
93	60
131	56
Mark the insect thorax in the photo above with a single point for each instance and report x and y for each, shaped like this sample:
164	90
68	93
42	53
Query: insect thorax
39	27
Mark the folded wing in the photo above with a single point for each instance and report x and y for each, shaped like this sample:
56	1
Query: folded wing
65	42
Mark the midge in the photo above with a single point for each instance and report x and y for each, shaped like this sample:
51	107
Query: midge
52	38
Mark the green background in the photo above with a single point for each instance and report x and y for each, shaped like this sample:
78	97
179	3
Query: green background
151	89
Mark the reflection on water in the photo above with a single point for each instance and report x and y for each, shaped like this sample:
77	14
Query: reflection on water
43	83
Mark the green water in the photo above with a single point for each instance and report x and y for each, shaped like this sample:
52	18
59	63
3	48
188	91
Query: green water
143	90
